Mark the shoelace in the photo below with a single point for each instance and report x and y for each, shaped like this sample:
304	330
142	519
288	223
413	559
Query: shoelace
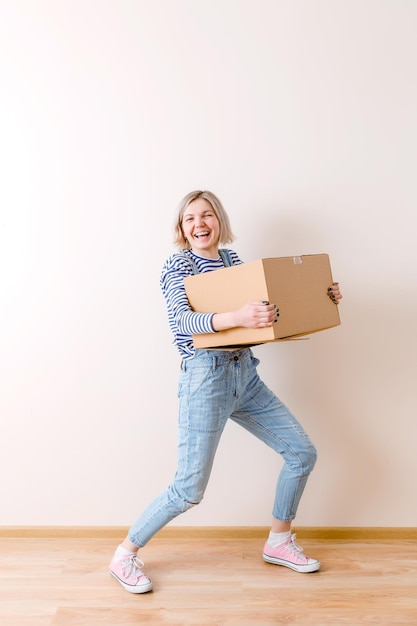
293	547
132	567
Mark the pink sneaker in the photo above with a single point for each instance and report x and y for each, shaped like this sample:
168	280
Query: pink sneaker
290	555
129	574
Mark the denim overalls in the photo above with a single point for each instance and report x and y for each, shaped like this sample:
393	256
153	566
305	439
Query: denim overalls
215	386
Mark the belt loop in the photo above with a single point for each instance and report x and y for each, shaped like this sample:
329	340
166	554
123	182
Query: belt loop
214	362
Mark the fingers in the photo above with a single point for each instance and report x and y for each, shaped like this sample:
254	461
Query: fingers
265	313
334	293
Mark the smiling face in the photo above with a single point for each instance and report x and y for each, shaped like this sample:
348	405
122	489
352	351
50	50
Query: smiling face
201	228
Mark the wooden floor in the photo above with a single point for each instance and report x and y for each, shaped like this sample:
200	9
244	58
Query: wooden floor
217	582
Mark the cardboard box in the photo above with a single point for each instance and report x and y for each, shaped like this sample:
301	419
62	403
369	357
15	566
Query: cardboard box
297	285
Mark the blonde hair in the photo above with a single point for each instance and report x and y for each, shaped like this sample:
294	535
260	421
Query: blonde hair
226	234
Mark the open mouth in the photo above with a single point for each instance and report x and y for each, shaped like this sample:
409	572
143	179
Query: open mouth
202	235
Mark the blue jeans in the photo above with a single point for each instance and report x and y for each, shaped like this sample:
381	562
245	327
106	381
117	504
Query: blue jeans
215	386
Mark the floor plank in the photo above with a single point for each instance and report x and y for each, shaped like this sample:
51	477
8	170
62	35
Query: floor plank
217	582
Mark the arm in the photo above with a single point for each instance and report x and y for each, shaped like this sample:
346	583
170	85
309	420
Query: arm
189	322
185	320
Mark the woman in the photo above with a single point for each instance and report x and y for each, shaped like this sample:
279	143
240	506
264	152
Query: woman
214	386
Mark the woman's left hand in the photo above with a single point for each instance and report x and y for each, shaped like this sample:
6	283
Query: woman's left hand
334	293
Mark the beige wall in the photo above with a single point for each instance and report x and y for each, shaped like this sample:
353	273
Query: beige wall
301	116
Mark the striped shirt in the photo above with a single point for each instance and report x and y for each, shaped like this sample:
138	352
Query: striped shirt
183	321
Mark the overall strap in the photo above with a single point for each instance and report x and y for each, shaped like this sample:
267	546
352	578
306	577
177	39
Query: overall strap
189	260
224	255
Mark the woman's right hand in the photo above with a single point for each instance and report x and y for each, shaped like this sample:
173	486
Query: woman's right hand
257	315
252	315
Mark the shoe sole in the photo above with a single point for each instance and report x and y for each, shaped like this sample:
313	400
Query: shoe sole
133	588
303	569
